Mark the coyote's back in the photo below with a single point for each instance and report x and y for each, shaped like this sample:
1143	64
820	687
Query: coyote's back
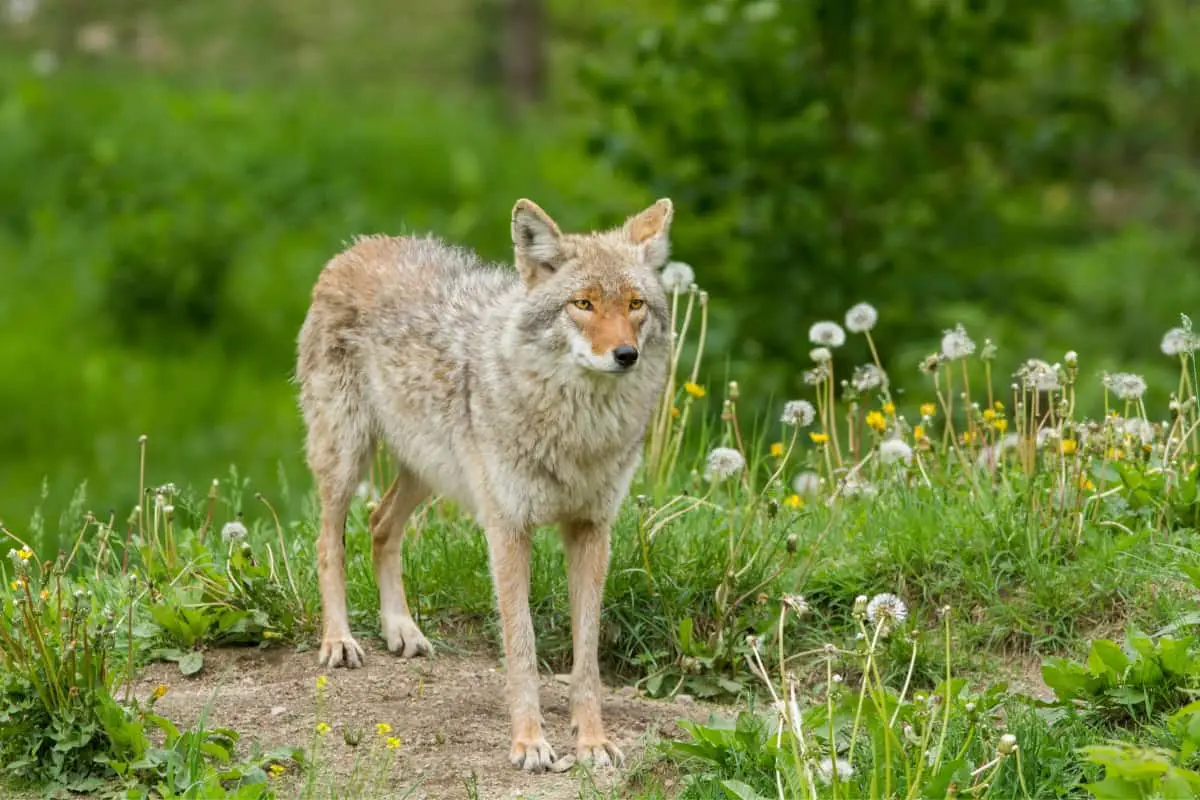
524	396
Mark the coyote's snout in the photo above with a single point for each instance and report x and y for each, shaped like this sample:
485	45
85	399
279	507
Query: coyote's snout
524	397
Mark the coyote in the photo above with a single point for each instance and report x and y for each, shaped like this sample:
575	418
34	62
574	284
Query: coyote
522	397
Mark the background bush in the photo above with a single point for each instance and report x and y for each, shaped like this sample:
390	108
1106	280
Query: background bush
173	178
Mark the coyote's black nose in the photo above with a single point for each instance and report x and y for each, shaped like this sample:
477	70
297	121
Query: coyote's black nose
625	356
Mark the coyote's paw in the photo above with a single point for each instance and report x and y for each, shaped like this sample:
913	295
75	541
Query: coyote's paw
599	753
341	652
405	639
531	755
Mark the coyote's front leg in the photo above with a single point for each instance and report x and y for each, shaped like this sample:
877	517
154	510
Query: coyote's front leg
510	554
587	546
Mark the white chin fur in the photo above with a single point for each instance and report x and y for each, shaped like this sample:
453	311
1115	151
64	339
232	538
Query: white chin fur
581	352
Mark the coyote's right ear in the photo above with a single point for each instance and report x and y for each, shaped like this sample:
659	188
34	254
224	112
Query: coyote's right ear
651	231
537	242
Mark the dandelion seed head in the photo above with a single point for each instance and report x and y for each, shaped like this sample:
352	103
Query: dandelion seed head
886	609
861	318
1125	385
821	355
1180	341
1039	375
807	484
956	344
677	276
828	768
232	531
1071	358
868	377
723	463
817	374
894	450
827	334
797	603
800	413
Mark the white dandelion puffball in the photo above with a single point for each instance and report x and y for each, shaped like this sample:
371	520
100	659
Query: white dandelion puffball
827	766
821	355
1037	374
723	463
855	486
956	343
233	531
1180	341
798	412
887	608
867	377
1125	385
807	484
677	277
827	334
1139	429
893	450
861	318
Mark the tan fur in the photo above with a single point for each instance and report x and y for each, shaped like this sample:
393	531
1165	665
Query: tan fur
503	392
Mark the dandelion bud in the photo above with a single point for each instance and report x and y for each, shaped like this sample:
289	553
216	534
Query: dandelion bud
352	737
791	543
727	411
837	677
969	708
754	642
168	511
1071	358
703	299
641	500
1008	743
733	390
860	606
142	439
772	508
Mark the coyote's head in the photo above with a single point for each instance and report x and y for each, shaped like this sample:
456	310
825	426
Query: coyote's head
595	297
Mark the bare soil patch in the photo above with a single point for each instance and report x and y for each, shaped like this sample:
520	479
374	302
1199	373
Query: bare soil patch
449	711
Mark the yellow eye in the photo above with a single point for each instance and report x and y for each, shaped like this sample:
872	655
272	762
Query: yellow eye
636	303
582	305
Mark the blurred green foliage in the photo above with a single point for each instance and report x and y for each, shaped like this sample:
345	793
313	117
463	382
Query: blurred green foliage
168	197
1010	165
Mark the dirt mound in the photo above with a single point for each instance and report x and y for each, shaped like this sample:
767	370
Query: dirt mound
449	712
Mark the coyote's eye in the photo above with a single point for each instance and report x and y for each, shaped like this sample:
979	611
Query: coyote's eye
636	303
582	304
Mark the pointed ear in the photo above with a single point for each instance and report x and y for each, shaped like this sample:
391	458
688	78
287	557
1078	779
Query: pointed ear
537	241
651	231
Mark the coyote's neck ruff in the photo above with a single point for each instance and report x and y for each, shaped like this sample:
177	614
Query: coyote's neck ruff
522	396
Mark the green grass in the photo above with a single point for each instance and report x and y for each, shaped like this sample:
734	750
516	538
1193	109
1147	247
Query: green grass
1058	548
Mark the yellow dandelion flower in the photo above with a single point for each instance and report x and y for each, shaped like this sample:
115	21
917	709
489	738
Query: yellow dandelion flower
1113	454
928	409
322	728
1000	425
918	432
998	405
383	729
159	691
794	501
1086	483
819	438
25	553
1068	446
44	594
393	743
889	408
271	634
322	682
876	422
777	449
694	389
968	437
989	414
18	584
674	412
275	770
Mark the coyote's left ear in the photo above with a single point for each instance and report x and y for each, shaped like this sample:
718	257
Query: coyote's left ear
651	230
